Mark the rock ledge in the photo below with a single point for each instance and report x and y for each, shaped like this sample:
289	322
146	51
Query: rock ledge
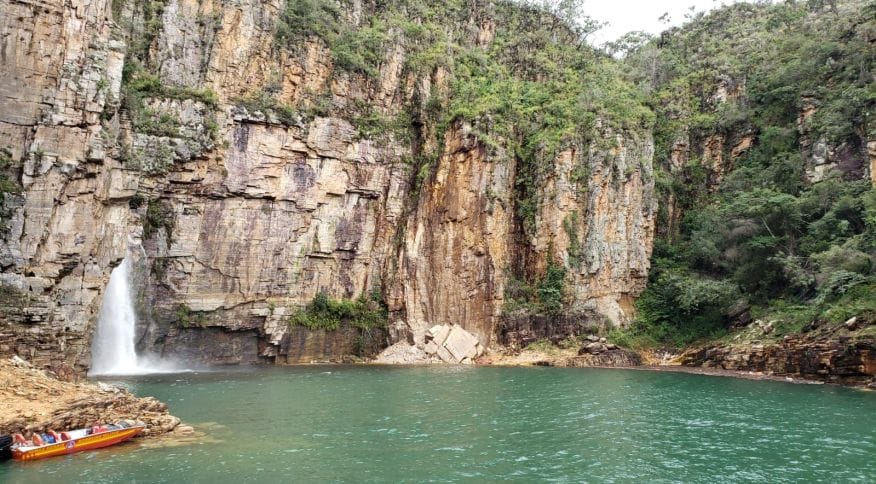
33	400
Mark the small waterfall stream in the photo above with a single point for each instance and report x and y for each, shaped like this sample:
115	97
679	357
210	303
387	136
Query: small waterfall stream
112	347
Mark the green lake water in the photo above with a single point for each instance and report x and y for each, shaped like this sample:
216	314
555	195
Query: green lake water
390	424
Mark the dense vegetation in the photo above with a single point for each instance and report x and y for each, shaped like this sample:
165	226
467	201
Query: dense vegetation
754	226
545	295
539	89
366	312
762	226
534	90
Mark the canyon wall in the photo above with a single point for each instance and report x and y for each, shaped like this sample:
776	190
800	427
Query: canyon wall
65	214
238	213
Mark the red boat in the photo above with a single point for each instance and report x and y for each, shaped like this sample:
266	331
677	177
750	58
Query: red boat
52	444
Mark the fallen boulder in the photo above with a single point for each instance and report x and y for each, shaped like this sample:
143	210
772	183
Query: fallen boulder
453	344
593	348
444	343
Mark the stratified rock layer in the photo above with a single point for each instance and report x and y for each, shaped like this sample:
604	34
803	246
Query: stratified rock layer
70	221
838	360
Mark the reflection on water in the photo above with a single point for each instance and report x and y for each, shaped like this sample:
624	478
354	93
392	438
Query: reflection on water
382	424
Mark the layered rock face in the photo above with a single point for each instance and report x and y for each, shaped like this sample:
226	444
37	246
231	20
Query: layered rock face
456	244
66	219
464	238
837	360
237	214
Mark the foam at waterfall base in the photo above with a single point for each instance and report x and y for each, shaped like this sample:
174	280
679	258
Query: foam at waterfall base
146	365
113	345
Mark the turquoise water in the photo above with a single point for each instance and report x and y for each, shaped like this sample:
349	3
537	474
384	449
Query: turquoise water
385	424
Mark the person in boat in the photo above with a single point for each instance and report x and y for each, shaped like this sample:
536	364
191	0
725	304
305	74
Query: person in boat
38	439
49	444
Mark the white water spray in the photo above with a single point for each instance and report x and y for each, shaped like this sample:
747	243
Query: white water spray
112	348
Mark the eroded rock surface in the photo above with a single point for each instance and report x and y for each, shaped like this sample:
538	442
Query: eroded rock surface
838	360
68	222
33	401
567	354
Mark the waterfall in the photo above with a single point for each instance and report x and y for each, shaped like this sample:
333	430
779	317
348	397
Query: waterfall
112	348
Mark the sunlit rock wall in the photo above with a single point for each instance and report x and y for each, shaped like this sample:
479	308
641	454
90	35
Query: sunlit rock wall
236	218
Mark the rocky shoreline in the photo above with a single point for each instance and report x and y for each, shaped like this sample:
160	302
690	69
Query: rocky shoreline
629	360
33	400
842	360
740	374
836	357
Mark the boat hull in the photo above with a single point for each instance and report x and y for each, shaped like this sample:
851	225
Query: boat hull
89	442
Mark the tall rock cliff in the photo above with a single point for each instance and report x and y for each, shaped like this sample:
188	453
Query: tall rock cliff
249	156
65	215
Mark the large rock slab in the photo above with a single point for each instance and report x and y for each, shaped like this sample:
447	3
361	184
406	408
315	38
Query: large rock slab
461	344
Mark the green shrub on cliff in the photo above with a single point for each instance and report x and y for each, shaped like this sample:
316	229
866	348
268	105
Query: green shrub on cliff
8	174
185	317
533	90
9	186
303	19
267	103
537	90
546	294
551	288
323	312
139	85
158	216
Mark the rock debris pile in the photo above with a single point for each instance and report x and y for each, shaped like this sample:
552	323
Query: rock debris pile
32	400
444	343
